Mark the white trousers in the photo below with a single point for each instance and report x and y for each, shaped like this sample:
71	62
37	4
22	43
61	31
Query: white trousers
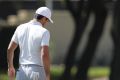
30	72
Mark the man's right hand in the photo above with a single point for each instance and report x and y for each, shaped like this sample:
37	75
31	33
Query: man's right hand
11	73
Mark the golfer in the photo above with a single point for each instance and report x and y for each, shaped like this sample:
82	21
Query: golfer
33	41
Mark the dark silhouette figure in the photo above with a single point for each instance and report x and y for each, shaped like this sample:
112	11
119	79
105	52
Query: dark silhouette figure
115	64
100	12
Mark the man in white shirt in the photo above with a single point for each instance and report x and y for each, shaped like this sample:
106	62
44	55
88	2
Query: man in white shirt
33	41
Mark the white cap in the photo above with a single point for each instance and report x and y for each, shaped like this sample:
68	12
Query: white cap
44	11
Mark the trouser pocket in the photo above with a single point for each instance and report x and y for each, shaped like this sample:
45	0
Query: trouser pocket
34	76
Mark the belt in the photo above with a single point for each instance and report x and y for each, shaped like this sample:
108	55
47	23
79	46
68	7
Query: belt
30	65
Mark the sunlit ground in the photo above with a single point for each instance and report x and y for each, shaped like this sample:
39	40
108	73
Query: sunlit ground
56	71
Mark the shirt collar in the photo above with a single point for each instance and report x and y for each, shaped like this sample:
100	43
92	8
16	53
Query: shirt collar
35	22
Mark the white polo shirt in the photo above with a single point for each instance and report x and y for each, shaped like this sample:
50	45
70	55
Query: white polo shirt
30	37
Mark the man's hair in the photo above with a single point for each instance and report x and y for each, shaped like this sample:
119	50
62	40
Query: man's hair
38	16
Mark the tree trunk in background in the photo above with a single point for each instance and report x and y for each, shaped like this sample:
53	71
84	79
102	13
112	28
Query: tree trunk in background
84	63
80	24
115	64
76	11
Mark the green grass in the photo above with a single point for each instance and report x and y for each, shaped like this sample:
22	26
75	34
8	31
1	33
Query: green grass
98	72
92	73
56	71
3	76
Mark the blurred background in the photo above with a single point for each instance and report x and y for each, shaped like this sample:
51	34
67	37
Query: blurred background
84	37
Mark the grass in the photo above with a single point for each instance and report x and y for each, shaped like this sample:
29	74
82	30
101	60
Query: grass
93	72
98	72
3	76
56	71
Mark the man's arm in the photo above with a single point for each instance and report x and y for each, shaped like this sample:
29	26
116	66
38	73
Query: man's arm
46	61
10	54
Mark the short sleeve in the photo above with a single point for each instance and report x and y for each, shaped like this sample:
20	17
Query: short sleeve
14	37
45	39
